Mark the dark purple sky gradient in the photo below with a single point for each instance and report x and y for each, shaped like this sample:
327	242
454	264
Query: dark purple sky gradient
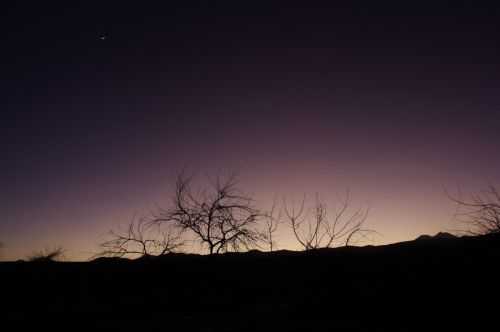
395	103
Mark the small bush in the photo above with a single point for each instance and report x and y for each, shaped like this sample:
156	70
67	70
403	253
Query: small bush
47	255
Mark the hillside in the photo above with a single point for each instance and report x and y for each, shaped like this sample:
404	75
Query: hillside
437	281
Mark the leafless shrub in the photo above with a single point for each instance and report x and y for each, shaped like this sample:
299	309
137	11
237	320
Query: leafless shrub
272	221
221	218
480	213
142	238
321	230
47	255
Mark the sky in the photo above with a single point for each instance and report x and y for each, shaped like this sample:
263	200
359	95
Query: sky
104	103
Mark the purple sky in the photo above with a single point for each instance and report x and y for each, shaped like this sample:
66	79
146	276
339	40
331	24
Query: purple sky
394	103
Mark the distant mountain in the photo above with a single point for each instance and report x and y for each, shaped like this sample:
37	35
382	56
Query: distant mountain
439	280
440	235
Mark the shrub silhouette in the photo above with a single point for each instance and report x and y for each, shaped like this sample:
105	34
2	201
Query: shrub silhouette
481	212
47	255
321	230
141	238
222	218
272	221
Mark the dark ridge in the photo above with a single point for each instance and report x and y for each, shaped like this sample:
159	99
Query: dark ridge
444	282
440	235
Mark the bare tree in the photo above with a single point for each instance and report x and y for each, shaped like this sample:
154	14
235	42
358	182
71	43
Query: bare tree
221	218
481	212
322	231
47	255
272	222
142	238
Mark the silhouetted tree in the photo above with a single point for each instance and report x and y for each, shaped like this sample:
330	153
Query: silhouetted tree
142	238
321	230
47	255
481	212
272	221
221	218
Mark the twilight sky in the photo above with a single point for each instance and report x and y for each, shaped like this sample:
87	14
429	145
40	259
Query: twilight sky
103	103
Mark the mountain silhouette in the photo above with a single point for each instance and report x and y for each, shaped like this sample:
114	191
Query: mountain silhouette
440	235
443	280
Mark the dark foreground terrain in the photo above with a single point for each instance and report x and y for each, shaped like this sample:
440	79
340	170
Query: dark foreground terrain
431	284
